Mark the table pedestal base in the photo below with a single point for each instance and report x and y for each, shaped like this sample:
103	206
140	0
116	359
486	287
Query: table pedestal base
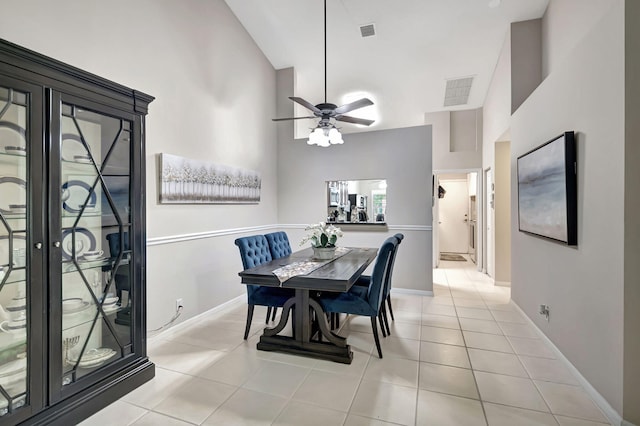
335	347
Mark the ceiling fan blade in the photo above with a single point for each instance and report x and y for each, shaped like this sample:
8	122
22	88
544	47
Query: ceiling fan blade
354	120
292	118
308	105
353	105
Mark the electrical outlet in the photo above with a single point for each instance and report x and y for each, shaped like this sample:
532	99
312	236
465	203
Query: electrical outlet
544	310
179	304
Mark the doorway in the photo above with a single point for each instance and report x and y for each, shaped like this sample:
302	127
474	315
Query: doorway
456	214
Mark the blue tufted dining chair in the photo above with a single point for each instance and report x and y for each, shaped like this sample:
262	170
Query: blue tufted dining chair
364	281
367	303
278	244
254	251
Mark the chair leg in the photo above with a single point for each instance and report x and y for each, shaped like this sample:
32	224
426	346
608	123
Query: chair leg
374	326
390	308
337	319
268	315
383	311
273	316
249	318
384	333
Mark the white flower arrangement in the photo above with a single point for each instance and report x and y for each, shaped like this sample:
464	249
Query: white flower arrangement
322	235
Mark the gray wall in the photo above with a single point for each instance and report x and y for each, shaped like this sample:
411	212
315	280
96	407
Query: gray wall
526	60
502	226
583	285
214	102
401	156
631	408
457	139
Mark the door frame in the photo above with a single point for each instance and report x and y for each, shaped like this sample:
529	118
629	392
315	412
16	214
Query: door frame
485	208
479	213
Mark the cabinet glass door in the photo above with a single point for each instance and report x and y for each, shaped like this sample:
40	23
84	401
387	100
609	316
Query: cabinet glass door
94	196
14	234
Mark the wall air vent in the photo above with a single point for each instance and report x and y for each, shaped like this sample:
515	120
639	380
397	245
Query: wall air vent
367	30
457	91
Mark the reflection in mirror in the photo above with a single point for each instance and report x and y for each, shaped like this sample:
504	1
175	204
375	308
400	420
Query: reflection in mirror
357	201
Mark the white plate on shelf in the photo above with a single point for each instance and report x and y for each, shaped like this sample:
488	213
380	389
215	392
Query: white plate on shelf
92	358
110	308
12	134
13	190
75	309
16	150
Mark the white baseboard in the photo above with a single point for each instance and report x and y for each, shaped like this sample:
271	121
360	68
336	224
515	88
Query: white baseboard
502	283
605	407
411	291
188	322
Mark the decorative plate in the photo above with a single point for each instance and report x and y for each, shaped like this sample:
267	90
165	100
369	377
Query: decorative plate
85	241
72	147
12	132
75	193
5	192
92	358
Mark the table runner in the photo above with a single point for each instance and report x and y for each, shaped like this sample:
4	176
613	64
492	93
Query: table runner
306	266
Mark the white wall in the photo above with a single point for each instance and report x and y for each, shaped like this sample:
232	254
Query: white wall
214	101
583	285
401	156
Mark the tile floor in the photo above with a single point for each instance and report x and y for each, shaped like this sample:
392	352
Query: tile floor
465	356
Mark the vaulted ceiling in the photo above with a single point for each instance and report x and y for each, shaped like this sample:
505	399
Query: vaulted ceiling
404	67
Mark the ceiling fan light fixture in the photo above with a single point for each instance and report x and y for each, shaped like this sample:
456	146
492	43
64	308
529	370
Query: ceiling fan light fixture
325	135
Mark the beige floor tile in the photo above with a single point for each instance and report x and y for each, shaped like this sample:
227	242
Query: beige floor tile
386	402
235	368
393	347
410	317
362	343
571	401
246	407
475	313
501	306
404	330
496	362
531	347
480	326
447	410
509	316
440	310
444	299
329	390
518	330
465	294
155	419
353	420
151	393
571	421
398	371
406	302
490	342
118	413
469	303
442	321
195	400
438	353
208	336
356	368
183	358
277	378
503	415
297	413
549	370
446	379
509	390
442	335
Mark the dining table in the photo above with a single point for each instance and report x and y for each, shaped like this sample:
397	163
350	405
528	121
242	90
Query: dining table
309	277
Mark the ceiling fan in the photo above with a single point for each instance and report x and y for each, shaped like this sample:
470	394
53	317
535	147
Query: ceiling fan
326	111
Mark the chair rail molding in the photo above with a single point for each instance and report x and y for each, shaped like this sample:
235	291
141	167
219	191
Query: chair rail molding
170	239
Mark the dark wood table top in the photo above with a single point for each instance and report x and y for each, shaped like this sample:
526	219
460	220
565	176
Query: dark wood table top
337	275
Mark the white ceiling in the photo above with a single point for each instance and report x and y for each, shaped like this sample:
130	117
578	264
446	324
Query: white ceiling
418	45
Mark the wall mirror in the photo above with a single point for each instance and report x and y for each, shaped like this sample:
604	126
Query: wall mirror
357	201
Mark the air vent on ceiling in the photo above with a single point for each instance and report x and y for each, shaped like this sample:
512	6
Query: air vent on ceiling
457	91
367	30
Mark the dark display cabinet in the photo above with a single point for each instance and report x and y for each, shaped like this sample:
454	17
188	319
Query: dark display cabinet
72	240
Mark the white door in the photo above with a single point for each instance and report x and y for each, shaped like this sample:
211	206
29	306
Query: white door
454	217
489	219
